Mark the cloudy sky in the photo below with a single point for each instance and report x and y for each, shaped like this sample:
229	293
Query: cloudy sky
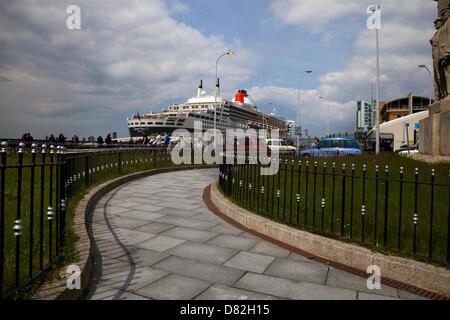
142	55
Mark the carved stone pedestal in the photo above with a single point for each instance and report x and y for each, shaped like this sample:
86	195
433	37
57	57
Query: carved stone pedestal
434	132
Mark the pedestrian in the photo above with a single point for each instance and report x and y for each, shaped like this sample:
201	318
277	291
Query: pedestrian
108	139
23	138
315	143
100	140
51	140
75	138
157	141
166	140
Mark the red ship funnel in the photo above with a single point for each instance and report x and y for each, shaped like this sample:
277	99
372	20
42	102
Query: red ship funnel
240	96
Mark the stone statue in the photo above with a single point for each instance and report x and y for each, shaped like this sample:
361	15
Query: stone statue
440	44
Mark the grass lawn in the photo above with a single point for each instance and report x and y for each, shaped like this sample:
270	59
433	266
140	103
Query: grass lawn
387	224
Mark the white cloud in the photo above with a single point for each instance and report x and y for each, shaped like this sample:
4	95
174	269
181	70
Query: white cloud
311	13
404	44
127	56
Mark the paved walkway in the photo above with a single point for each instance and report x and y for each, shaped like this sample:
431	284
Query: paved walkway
156	239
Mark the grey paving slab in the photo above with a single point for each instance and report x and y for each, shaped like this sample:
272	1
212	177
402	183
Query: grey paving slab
112	210
148	216
207	217
160	243
189	234
297	270
410	296
174	287
227	228
131	237
296	257
146	207
143	257
250	261
292	290
368	296
176	212
128	223
200	270
220	292
270	249
249	235
235	242
341	279
176	205
188	223
203	252
110	293
268	285
132	278
154	227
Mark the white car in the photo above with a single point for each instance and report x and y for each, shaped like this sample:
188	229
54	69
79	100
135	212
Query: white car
281	146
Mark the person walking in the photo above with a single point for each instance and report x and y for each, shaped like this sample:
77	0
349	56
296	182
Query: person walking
75	138
108	139
166	141
157	141
100	140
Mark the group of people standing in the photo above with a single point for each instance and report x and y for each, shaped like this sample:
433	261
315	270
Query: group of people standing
158	141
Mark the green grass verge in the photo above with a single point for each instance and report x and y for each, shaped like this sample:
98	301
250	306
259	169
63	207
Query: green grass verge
342	209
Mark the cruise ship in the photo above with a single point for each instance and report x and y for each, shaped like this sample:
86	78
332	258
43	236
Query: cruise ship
237	113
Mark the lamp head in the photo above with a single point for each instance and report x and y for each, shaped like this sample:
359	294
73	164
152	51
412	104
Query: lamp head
421	66
374	8
308	71
230	53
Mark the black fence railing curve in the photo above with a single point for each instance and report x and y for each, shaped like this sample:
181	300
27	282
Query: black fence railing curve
36	187
409	215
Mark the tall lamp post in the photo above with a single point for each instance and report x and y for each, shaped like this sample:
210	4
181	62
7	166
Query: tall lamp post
328	115
298	105
377	26
229	53
431	80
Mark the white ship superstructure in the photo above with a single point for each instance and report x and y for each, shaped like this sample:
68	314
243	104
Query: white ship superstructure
240	112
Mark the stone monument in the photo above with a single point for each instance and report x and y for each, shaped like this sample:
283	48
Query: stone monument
434	134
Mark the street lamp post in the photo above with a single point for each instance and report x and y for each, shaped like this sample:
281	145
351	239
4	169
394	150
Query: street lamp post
229	53
431	80
328	116
298	105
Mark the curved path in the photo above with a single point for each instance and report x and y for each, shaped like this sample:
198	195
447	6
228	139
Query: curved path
156	239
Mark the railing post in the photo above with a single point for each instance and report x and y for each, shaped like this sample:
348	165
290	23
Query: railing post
33	163
119	163
18	224
343	200
415	215
430	252
2	212
86	169
386	195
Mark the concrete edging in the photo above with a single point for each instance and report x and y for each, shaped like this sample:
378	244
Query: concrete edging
407	274
57	289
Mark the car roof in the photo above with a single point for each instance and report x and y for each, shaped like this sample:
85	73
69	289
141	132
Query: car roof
338	138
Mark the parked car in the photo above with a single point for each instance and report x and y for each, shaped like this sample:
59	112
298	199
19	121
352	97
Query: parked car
281	146
333	147
411	150
404	149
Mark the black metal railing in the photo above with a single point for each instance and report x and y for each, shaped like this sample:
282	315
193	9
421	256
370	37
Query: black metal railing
407	213
36	187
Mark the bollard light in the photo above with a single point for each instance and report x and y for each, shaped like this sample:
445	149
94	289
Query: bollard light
18	227
50	213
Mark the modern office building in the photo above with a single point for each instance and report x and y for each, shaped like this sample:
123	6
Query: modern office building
366	114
